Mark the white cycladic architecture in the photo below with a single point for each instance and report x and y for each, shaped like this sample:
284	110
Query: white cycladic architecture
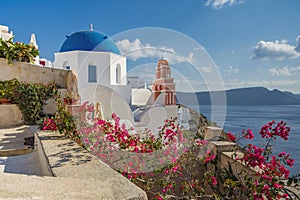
140	97
135	82
102	77
33	43
97	61
44	62
5	34
94	68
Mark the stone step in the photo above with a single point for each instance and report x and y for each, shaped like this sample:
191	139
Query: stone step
16	141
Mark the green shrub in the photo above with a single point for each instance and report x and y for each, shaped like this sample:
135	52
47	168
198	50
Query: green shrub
17	51
31	98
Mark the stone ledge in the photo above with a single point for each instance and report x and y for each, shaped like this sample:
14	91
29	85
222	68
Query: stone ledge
237	166
32	73
15	152
213	133
10	115
68	160
12	141
222	146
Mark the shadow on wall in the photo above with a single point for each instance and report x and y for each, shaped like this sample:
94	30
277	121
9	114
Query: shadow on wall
111	101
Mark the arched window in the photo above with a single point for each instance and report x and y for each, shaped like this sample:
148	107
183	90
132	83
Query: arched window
92	74
118	74
66	65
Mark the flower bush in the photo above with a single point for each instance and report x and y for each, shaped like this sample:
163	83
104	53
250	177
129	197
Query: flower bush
62	121
268	170
49	124
173	165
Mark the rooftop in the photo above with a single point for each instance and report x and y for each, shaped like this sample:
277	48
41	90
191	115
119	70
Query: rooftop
89	40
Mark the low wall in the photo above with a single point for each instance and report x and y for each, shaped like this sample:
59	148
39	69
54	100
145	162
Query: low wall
68	160
32	73
10	115
213	133
227	152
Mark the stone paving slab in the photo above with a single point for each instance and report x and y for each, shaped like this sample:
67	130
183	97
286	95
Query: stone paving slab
23	164
21	187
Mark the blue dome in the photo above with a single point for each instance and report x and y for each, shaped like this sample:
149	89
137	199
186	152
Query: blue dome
89	41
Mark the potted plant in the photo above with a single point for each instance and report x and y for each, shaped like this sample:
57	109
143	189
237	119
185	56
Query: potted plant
72	99
6	90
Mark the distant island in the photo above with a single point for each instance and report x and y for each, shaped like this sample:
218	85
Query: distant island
297	96
241	96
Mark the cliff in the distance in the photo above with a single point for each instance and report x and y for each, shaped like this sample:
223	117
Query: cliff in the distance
242	96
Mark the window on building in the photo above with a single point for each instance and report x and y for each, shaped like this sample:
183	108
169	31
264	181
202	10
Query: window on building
66	65
118	74
92	73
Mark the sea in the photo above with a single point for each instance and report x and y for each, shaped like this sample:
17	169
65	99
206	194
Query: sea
239	117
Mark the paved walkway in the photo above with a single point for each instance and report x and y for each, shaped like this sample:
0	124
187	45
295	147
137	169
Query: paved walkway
17	155
23	164
77	174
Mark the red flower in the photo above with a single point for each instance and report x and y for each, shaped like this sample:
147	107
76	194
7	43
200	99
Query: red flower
158	197
213	181
248	134
230	137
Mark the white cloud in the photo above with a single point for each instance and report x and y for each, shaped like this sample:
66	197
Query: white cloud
297	48
284	71
206	69
277	50
217	4
231	70
144	72
136	49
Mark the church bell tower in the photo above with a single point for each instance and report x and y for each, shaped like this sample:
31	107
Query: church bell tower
164	83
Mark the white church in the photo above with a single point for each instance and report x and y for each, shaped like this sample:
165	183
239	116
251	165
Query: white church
94	56
100	68
102	77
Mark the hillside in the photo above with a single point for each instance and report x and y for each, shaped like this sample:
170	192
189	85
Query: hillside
297	96
242	96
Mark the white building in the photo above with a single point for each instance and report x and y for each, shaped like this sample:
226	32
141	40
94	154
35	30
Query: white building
135	82
94	57
102	77
5	34
100	67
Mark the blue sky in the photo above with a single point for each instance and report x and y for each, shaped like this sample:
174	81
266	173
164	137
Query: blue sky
250	42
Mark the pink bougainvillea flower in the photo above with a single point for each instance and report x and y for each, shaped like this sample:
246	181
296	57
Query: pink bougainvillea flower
213	181
248	134
230	137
